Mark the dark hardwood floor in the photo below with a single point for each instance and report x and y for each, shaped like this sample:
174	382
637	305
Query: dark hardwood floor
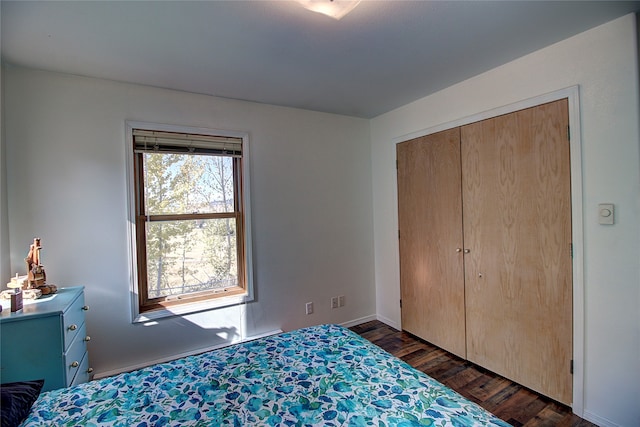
509	401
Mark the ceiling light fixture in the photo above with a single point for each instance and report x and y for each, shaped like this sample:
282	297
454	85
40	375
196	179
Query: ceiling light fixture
333	8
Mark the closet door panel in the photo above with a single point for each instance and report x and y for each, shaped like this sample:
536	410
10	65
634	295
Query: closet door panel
517	228
430	226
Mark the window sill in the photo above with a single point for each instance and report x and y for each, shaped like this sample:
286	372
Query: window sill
191	308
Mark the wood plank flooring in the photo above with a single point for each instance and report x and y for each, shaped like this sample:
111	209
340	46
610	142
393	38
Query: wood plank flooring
511	402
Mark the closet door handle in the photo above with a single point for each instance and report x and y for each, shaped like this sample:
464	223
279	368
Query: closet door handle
458	250
466	251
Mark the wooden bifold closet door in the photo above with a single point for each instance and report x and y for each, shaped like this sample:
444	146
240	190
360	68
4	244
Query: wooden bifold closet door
512	247
430	222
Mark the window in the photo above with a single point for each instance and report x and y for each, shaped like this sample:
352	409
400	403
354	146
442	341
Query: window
190	220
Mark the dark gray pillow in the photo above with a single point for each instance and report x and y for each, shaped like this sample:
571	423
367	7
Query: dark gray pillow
17	399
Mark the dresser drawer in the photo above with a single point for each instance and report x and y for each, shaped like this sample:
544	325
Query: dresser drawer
73	319
76	353
83	375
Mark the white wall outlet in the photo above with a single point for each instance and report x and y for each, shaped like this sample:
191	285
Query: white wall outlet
341	301
334	302
308	308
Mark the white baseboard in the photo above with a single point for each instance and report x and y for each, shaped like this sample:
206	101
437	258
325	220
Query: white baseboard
130	368
355	322
598	420
389	322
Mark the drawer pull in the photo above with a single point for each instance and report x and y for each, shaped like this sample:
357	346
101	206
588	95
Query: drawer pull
75	364
87	338
73	327
90	371
85	308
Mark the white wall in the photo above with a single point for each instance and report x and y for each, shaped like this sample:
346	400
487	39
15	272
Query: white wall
311	208
4	223
603	61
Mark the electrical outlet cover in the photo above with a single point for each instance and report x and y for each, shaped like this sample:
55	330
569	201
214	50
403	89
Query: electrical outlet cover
334	302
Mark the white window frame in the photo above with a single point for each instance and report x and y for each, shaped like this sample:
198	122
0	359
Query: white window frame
190	307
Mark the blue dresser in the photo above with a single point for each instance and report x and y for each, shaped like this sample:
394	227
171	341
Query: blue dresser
46	340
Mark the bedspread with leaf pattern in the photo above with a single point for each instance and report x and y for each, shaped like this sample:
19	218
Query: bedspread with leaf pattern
318	376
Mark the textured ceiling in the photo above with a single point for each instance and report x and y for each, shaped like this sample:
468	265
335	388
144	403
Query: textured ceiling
384	54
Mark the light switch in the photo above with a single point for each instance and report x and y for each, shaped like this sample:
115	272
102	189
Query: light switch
605	213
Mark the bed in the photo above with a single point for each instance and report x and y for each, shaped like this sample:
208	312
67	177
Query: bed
318	376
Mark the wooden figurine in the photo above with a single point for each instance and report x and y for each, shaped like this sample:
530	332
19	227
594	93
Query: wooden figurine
36	276
35	271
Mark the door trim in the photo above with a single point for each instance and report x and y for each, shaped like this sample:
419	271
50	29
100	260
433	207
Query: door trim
572	94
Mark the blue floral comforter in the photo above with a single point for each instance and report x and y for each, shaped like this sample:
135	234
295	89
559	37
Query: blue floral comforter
318	376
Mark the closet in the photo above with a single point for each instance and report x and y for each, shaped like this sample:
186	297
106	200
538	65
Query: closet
484	215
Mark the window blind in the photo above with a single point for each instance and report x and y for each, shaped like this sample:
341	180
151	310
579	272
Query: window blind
151	141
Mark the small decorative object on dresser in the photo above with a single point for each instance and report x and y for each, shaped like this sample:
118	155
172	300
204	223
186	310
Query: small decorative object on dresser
35	270
46	340
36	276
18	282
16	300
19	285
27	294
